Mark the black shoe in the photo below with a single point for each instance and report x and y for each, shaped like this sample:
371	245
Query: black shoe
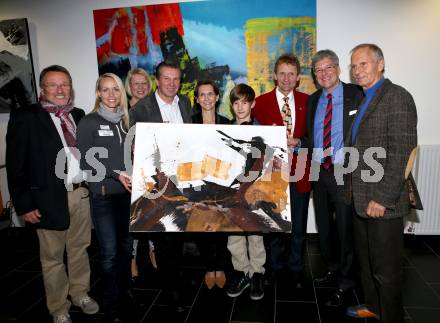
257	288
298	279
328	279
111	317
336	299
176	302
241	282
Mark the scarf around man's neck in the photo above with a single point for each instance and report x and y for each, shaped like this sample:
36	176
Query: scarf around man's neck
62	112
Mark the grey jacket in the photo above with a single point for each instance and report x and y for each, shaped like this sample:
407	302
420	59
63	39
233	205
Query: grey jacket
389	122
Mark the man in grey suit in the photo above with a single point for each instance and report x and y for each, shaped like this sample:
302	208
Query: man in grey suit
165	105
330	112
384	133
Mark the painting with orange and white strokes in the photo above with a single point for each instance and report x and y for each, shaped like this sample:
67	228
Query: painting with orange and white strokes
231	178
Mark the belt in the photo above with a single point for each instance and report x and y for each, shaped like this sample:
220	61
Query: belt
78	185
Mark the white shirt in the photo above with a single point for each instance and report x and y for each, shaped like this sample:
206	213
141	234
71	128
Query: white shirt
280	99
170	112
74	173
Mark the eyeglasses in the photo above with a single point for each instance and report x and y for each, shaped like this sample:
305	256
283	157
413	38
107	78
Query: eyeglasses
207	95
54	86
325	69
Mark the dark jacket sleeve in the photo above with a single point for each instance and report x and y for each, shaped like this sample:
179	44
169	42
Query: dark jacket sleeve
17	148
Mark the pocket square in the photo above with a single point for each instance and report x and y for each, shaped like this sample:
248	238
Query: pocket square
350	113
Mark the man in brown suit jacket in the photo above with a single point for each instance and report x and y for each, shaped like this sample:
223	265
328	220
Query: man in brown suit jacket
386	123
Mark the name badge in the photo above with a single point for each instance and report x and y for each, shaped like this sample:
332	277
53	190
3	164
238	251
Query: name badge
105	133
350	113
104	126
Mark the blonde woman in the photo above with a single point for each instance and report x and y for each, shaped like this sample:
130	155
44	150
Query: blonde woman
137	85
101	134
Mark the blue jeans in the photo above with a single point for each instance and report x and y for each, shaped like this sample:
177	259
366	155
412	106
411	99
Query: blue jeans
111	215
288	249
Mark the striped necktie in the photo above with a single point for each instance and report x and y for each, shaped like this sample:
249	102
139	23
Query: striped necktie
327	162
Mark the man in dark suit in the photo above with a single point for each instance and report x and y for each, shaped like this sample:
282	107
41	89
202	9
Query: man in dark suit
57	207
286	106
384	133
165	105
331	111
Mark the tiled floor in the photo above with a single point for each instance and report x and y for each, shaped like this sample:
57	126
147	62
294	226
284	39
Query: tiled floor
22	293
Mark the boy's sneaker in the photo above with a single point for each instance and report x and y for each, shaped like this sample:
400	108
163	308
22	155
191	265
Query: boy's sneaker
62	318
241	282
257	289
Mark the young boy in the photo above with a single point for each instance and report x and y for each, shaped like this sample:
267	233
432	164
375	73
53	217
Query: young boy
247	251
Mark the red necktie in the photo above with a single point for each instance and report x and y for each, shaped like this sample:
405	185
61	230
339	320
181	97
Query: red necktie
327	163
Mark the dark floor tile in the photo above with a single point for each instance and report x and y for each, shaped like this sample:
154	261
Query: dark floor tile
313	244
427	265
317	265
212	306
298	312
420	295
247	310
144	301
434	243
424	315
14	281
16	260
335	314
406	262
436	288
187	295
21	300
162	314
33	264
37	310
415	244
287	291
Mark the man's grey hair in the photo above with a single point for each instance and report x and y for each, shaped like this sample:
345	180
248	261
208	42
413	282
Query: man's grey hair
325	53
373	47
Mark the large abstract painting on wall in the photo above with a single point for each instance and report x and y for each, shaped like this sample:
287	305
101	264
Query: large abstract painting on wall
227	41
17	80
230	179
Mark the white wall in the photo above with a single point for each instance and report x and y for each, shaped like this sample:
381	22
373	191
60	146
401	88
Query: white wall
62	33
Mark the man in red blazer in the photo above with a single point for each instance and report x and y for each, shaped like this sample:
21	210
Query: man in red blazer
274	108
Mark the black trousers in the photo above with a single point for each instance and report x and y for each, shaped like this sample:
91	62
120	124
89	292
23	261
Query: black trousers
212	247
168	248
379	248
335	227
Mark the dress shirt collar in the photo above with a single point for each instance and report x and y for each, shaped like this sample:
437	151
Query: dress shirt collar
162	103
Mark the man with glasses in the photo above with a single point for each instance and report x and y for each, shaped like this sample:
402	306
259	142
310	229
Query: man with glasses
386	123
58	208
331	110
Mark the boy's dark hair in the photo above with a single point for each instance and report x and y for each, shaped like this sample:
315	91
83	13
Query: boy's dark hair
242	91
167	63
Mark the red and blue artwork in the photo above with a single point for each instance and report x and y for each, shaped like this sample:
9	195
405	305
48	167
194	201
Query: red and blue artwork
226	41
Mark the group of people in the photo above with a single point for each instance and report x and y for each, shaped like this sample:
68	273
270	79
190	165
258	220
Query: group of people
355	217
